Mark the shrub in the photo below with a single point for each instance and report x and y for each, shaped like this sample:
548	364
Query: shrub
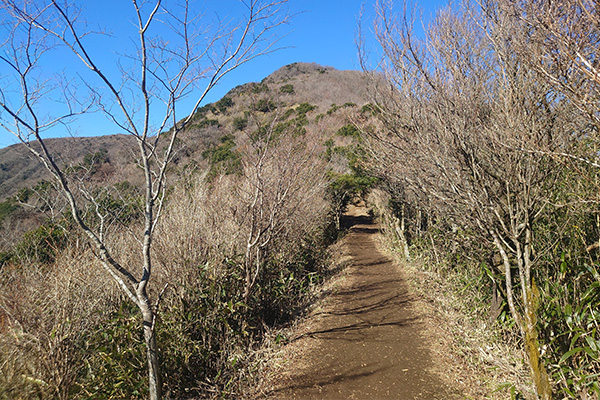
92	160
370	109
42	245
206	122
288	113
202	111
260	88
223	104
264	105
23	195
116	366
304	108
288	89
349	130
335	107
6	208
240	123
223	158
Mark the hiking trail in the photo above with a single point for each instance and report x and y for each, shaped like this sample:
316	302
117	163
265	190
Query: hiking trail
365	341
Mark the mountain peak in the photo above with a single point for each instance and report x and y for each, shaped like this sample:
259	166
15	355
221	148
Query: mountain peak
298	68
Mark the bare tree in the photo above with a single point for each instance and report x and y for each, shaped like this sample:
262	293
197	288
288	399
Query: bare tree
458	114
141	95
567	40
281	176
562	47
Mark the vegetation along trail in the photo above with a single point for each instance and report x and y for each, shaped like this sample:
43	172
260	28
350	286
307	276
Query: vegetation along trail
365	342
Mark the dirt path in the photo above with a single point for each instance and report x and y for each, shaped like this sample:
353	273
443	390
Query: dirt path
365	342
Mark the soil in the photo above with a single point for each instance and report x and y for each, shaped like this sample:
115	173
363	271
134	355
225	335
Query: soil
365	341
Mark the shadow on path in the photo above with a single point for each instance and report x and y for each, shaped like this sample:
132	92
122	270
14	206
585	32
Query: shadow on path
365	342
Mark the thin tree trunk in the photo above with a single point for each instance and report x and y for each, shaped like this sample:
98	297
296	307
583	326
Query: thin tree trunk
528	323
400	227
154	374
531	300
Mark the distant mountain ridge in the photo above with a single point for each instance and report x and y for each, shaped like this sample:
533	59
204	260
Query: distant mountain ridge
309	82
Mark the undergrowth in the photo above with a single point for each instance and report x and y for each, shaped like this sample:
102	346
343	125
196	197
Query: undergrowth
66	332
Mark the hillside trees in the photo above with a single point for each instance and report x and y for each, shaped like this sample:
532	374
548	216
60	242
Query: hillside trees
457	126
140	94
566	38
282	176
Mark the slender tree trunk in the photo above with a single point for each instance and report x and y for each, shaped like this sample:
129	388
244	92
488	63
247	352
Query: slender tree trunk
247	284
538	371
400	227
531	299
154	374
528	322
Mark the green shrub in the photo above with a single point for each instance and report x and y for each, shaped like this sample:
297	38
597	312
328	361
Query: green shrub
335	107
116	364
371	109
288	89
223	104
125	208
569	318
206	122
42	244
343	188
264	105
288	113
349	130
304	108
202	111
91	160
223	158
260	88
240	123
6	208
24	195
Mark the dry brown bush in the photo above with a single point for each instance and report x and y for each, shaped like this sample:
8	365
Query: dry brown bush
48	310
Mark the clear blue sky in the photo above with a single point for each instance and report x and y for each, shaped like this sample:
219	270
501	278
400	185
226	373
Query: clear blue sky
321	31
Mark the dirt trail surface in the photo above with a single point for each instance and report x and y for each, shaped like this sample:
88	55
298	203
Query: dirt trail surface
364	342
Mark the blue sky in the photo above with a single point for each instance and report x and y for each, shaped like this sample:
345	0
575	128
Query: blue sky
321	31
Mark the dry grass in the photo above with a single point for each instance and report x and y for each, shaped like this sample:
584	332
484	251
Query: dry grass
48	310
205	229
469	351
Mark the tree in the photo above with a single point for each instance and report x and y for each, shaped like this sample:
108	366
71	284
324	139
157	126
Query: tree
176	53
564	40
281	176
567	40
460	111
